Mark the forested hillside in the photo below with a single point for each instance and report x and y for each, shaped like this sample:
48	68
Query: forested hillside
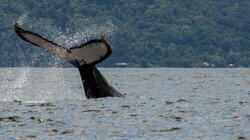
149	33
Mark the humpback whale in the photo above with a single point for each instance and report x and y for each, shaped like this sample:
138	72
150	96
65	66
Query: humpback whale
84	57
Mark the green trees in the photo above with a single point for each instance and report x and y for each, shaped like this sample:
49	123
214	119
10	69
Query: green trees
150	33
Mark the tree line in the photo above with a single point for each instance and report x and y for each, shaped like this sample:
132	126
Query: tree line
152	33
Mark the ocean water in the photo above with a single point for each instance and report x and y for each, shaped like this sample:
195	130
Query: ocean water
159	103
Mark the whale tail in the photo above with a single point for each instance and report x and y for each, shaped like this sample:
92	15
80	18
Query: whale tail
89	53
84	57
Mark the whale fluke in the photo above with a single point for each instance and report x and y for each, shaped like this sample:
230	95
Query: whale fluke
84	57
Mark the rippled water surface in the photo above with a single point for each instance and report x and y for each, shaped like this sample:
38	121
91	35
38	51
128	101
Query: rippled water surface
159	103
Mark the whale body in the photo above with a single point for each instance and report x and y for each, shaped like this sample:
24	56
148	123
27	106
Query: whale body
84	57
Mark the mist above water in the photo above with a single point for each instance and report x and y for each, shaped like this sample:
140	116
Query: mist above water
69	37
81	30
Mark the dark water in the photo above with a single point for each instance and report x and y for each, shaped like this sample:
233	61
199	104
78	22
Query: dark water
159	103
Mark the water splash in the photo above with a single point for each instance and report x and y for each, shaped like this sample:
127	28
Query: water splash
22	19
71	36
39	85
24	81
19	81
74	35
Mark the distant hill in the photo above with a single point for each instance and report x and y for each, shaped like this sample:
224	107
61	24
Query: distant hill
150	33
